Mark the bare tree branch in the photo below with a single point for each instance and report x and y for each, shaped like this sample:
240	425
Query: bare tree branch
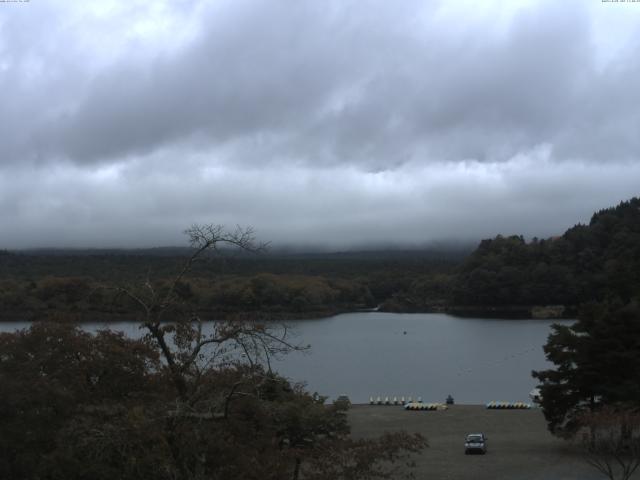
611	443
182	342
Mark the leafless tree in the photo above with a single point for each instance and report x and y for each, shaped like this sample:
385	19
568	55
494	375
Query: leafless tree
187	346
611	441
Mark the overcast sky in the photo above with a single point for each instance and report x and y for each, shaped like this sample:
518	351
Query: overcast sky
341	123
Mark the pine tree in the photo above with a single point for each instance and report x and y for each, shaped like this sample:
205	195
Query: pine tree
597	363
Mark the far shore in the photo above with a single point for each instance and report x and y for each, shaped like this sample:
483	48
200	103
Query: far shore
502	312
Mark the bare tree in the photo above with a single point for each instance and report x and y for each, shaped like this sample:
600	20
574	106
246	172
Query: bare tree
611	441
188	348
224	391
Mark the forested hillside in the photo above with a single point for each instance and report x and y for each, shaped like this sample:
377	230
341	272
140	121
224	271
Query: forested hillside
589	262
78	285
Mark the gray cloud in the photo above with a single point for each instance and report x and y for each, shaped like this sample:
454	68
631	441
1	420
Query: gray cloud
339	122
334	206
330	87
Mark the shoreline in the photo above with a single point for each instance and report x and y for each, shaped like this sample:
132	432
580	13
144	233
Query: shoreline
502	313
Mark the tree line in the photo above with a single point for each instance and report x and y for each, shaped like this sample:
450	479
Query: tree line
588	262
64	284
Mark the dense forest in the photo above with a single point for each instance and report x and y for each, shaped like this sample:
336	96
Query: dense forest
78	285
507	275
593	262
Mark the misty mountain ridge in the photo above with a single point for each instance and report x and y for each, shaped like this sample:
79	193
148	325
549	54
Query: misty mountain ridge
454	247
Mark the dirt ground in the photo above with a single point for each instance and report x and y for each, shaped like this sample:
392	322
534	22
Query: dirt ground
519	445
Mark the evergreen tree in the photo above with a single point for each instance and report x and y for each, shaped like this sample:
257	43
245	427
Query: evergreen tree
597	363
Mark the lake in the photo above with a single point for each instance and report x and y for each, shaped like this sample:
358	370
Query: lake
365	354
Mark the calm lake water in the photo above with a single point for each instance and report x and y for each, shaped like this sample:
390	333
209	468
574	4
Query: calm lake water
429	355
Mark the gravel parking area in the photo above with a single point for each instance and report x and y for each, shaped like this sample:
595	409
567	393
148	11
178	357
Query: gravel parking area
519	445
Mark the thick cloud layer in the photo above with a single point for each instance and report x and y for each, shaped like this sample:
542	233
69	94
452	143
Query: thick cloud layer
337	123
